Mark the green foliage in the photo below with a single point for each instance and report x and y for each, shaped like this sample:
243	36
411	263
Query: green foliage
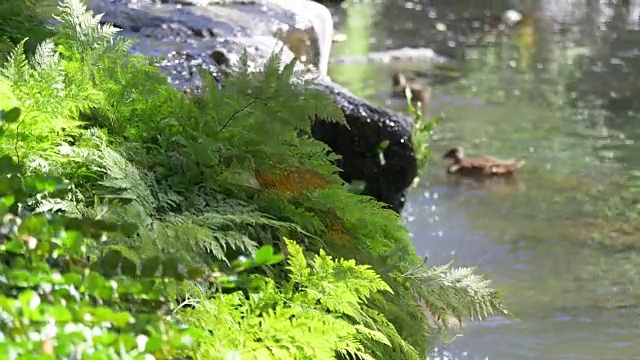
422	130
311	316
54	304
456	292
169	223
253	116
194	182
20	19
39	87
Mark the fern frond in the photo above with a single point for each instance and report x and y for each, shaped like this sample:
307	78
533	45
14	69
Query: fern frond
372	334
81	25
56	205
47	115
351	353
8	99
48	73
200	227
46	58
256	129
183	238
291	324
390	325
16	69
123	179
212	233
455	292
297	263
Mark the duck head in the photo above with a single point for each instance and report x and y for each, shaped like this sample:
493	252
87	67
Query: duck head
456	153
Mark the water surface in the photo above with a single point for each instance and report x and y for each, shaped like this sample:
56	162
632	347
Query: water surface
558	90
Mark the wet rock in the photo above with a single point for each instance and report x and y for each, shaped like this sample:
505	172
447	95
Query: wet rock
163	25
182	70
359	143
190	35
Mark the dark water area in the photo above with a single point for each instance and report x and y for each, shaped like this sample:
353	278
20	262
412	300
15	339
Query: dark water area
559	89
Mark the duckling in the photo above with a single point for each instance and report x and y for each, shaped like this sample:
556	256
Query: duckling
418	92
479	166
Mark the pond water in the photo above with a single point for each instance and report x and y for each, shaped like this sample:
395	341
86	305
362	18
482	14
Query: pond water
558	89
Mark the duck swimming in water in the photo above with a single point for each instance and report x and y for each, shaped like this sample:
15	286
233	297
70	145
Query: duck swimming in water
479	166
418	92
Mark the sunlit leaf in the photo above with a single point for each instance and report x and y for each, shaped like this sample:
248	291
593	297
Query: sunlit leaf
15	246
40	183
154	343
72	278
33	224
264	255
6	202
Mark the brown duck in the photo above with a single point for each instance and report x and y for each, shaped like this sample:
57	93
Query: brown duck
479	166
418	92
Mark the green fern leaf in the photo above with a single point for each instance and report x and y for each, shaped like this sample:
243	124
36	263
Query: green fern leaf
16	68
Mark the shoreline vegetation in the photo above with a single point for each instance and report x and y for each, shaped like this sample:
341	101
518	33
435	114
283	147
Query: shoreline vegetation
139	223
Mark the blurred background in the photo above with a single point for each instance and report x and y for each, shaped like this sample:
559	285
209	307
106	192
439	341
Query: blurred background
554	82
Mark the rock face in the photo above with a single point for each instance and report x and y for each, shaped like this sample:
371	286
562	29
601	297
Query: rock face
359	145
192	34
